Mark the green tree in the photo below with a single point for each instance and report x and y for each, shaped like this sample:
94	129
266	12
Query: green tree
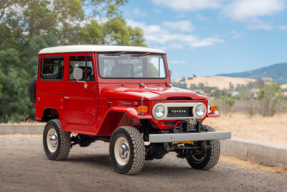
0	83
268	97
16	75
179	84
259	83
225	103
67	21
231	86
201	85
14	101
114	31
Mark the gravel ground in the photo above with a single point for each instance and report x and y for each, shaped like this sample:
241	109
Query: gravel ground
24	167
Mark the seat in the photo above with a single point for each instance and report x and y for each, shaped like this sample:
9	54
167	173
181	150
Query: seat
90	74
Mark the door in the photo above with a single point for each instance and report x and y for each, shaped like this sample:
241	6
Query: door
80	96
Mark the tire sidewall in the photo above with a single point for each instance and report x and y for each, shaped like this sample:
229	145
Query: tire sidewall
200	164
121	168
212	155
50	155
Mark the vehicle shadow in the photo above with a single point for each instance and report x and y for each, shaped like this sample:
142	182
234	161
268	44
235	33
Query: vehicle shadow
159	168
96	159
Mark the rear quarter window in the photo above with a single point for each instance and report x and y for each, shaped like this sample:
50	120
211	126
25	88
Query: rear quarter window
52	68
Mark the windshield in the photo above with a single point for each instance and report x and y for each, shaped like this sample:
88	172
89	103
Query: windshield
131	65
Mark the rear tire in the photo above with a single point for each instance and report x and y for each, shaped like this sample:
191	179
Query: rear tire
56	142
127	150
208	159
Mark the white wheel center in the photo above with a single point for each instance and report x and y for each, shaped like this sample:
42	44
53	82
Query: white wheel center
122	151
52	140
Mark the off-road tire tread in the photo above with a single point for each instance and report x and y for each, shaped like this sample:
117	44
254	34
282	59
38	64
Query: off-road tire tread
32	90
138	149
65	140
215	151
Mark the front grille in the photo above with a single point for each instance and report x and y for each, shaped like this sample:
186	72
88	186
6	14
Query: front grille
179	112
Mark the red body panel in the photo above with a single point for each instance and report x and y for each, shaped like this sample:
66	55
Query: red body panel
106	103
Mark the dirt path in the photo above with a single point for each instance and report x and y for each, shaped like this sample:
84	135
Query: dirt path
24	167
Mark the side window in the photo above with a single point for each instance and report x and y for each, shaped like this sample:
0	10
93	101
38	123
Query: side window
52	68
85	63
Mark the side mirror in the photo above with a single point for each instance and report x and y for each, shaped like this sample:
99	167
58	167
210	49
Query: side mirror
78	74
170	74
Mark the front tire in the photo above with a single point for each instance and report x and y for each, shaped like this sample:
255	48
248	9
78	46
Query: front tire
127	150
56	142
209	158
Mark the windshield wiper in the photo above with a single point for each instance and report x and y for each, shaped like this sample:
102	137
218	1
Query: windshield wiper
116	54
141	55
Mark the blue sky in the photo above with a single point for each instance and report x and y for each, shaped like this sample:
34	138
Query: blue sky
209	37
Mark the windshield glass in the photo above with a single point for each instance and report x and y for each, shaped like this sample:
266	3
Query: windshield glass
131	65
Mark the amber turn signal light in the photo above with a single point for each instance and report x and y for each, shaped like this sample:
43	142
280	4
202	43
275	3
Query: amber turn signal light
213	108
142	109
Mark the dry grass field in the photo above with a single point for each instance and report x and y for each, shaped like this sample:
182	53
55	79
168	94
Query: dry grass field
217	81
266	129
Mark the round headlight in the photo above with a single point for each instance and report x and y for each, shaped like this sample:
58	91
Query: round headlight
159	111
200	110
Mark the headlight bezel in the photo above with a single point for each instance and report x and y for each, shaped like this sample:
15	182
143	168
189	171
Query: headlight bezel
156	111
203	107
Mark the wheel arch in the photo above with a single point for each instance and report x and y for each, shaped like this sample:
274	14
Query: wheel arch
49	113
120	116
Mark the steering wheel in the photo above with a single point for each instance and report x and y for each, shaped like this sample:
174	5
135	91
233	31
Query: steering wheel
142	72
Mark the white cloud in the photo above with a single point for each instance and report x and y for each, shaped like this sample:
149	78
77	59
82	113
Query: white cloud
155	34
184	26
177	62
249	10
189	5
282	27
137	12
236	35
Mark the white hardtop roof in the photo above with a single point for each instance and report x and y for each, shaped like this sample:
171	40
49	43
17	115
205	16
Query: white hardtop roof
97	48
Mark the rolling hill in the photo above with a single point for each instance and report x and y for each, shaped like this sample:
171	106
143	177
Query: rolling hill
278	72
215	81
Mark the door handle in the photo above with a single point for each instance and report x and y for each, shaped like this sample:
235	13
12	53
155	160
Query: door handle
65	97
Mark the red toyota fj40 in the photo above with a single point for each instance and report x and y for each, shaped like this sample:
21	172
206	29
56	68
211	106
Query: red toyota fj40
122	95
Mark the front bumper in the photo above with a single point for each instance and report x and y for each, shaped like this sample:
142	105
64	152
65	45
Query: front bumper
176	137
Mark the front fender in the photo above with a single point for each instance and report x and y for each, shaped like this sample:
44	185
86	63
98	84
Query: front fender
212	114
130	111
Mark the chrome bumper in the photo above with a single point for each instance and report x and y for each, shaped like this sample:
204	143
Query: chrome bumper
175	137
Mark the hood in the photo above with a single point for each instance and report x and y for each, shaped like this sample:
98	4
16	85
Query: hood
155	94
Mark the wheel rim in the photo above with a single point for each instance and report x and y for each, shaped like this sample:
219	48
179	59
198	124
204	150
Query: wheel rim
52	140
199	157
122	151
